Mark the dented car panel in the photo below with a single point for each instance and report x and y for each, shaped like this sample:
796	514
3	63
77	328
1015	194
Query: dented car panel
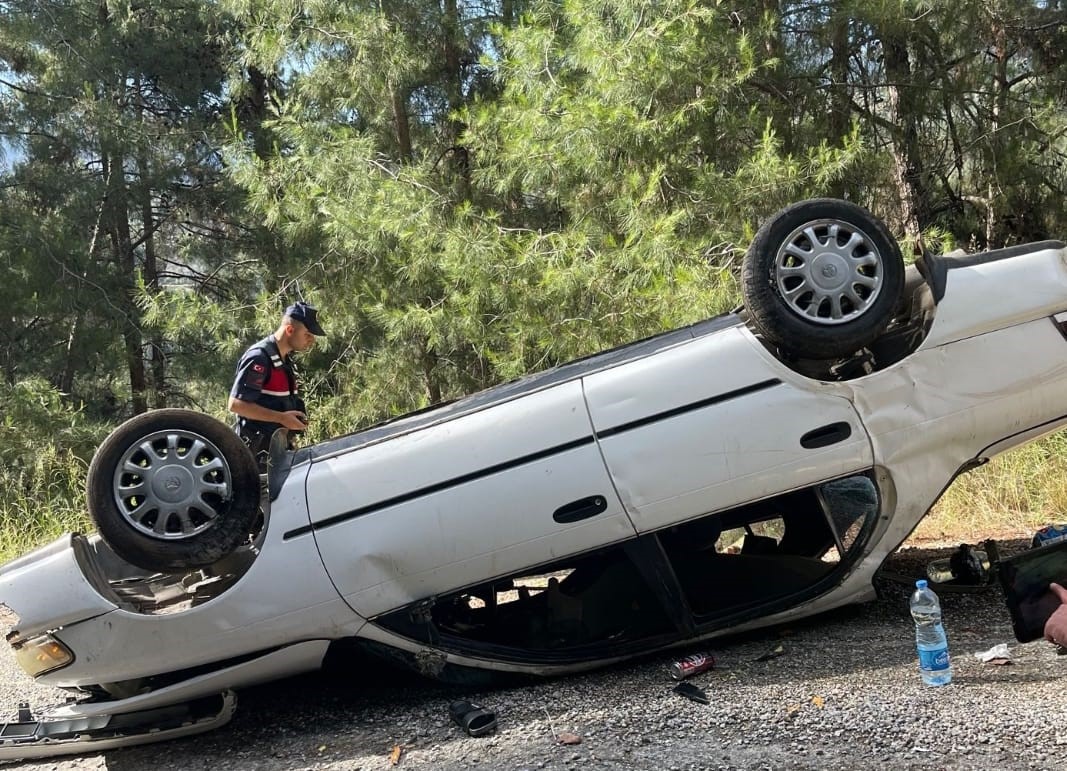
722	434
685	487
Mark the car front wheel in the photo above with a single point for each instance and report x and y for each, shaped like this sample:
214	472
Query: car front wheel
822	278
173	490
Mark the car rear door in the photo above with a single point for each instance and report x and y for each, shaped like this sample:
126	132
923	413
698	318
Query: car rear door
716	422
518	484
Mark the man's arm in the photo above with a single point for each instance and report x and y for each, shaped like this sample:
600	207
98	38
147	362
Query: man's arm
294	420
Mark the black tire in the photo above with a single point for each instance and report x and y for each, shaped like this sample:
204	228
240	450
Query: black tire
822	303
192	504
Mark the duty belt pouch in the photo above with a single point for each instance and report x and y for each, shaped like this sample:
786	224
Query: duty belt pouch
259	443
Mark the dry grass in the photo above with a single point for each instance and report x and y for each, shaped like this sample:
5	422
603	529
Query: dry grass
1010	497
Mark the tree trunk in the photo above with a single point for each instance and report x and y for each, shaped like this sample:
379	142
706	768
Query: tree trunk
1001	90
66	380
256	105
453	78
151	280
840	98
151	268
781	104
429	365
907	159
122	246
401	124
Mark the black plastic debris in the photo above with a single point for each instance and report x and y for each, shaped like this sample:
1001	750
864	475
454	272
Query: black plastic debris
472	718
691	692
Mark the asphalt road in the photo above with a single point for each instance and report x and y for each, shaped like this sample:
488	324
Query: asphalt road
843	692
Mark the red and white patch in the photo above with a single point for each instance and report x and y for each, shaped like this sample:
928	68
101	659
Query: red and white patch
258	368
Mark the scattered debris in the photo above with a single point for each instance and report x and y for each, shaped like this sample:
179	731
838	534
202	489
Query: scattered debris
998	655
691	692
818	701
1049	535
472	718
691	665
394	756
772	654
967	566
562	737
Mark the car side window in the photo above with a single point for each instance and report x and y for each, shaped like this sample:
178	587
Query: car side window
575	604
765	552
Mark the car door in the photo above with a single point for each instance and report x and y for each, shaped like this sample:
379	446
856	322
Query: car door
716	422
518	484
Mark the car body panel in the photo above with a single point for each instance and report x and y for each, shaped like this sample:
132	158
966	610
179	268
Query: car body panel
432	511
982	296
292	659
925	427
53	736
720	435
47	589
515	389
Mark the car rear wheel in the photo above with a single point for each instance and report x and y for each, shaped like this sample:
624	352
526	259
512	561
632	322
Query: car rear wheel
173	490
822	278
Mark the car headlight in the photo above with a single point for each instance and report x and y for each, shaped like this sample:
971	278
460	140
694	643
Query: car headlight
42	654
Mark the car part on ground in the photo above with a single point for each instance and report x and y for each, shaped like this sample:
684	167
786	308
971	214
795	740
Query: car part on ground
172	490
79	729
967	566
472	718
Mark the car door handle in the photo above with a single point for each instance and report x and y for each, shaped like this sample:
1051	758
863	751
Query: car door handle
826	435
580	509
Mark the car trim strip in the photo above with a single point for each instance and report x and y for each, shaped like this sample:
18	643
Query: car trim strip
532	457
675	411
438	486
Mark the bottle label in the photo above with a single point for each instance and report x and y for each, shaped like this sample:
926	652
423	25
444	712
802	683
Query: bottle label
933	660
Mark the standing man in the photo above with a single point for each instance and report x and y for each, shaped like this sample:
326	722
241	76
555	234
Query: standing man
264	394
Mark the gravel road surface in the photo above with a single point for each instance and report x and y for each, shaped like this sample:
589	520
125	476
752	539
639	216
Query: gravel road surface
844	692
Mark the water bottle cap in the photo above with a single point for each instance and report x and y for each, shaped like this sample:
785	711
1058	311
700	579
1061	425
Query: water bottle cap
920	584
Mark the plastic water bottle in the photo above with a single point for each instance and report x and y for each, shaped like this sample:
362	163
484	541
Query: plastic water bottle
934	664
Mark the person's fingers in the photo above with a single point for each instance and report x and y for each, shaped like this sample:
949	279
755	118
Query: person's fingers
1059	591
1050	630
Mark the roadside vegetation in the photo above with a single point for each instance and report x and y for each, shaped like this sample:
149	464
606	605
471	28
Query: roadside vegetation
1010	497
470	191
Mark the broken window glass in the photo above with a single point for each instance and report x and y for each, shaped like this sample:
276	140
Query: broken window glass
588	600
771	549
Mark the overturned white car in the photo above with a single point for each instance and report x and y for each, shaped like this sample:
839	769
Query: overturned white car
744	471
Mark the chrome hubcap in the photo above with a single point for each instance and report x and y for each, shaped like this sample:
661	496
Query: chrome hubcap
172	484
828	272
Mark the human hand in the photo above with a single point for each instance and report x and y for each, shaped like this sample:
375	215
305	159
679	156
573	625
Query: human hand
294	420
1056	626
